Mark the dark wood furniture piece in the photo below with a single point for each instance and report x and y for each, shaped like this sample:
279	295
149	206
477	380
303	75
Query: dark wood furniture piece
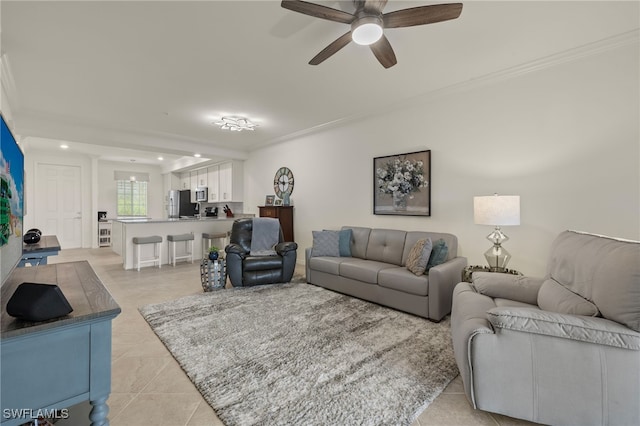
52	365
37	254
284	214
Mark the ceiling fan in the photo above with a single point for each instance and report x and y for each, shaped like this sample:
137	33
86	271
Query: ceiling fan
368	21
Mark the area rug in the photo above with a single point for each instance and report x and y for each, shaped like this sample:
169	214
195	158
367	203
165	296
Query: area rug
297	354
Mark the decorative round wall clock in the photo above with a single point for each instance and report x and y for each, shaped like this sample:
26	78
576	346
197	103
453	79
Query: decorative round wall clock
283	182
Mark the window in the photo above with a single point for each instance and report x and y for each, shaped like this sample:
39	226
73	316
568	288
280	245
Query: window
132	198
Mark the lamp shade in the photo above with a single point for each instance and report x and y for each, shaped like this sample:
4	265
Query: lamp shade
497	210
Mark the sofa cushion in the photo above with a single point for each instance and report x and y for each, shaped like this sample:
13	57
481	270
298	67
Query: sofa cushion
330	265
261	263
362	270
325	243
419	256
592	330
601	269
401	279
359	240
557	298
439	254
413	236
386	245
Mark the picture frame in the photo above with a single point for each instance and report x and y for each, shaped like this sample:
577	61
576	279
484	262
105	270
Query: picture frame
402	184
269	199
277	202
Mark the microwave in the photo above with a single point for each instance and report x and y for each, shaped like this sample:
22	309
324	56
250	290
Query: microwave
202	193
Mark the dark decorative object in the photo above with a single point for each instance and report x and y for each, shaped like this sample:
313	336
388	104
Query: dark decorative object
38	302
402	184
32	236
214	253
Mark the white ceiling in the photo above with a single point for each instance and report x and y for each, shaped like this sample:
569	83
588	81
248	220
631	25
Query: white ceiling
150	76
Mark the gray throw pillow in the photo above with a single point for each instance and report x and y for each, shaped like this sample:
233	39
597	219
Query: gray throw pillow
439	254
554	297
419	256
326	243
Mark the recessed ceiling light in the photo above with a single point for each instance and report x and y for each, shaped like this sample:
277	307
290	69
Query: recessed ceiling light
160	158
64	146
196	155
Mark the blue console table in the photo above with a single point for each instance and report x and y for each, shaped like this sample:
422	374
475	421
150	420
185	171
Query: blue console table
37	254
52	365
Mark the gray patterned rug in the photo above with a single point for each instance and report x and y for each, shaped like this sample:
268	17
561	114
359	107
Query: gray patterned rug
297	354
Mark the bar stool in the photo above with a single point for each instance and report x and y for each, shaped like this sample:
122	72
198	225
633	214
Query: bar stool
156	240
188	245
208	238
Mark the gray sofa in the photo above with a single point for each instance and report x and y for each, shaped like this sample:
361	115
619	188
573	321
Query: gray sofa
563	349
376	271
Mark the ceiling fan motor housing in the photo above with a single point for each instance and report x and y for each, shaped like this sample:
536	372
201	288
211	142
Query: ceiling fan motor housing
366	28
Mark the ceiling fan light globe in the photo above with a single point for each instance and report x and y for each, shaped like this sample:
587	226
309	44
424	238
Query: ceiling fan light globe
366	30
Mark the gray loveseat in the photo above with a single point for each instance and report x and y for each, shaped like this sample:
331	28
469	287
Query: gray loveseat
561	350
376	271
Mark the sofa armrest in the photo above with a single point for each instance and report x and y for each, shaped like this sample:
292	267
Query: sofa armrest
236	249
508	286
442	280
575	327
468	321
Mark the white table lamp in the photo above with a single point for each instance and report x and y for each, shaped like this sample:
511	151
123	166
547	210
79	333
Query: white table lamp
497	210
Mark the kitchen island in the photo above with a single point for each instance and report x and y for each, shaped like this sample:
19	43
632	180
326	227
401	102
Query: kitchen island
124	230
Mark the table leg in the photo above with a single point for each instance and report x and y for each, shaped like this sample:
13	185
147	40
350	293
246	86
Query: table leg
98	414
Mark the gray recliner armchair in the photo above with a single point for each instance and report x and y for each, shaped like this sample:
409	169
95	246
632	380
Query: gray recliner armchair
562	350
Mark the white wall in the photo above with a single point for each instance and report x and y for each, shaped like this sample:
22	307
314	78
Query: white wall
107	187
98	186
565	138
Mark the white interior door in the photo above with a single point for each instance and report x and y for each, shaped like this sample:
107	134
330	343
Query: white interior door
58	203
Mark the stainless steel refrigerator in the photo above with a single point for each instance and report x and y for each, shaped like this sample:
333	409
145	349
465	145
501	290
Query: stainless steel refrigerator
180	204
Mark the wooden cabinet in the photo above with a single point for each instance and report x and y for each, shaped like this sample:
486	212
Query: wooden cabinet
284	214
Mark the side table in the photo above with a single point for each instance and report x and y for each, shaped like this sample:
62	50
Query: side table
213	274
468	271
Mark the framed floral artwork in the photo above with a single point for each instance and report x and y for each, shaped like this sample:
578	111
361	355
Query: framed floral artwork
402	184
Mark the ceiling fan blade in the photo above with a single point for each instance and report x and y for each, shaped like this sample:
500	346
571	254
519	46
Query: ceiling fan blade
374	6
318	11
338	44
384	52
422	15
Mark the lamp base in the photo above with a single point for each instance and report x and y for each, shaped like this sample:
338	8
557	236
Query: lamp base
497	256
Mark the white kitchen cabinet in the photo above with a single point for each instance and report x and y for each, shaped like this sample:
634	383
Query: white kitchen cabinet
213	183
202	177
193	185
231	181
185	180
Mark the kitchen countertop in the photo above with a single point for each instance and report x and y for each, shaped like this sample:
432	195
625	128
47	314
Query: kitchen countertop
201	219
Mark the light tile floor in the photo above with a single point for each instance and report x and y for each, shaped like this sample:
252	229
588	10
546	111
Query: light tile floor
148	385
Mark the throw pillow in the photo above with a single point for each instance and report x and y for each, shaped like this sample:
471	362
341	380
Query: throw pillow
439	254
326	243
344	243
419	256
554	297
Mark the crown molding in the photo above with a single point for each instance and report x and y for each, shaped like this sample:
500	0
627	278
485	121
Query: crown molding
590	49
